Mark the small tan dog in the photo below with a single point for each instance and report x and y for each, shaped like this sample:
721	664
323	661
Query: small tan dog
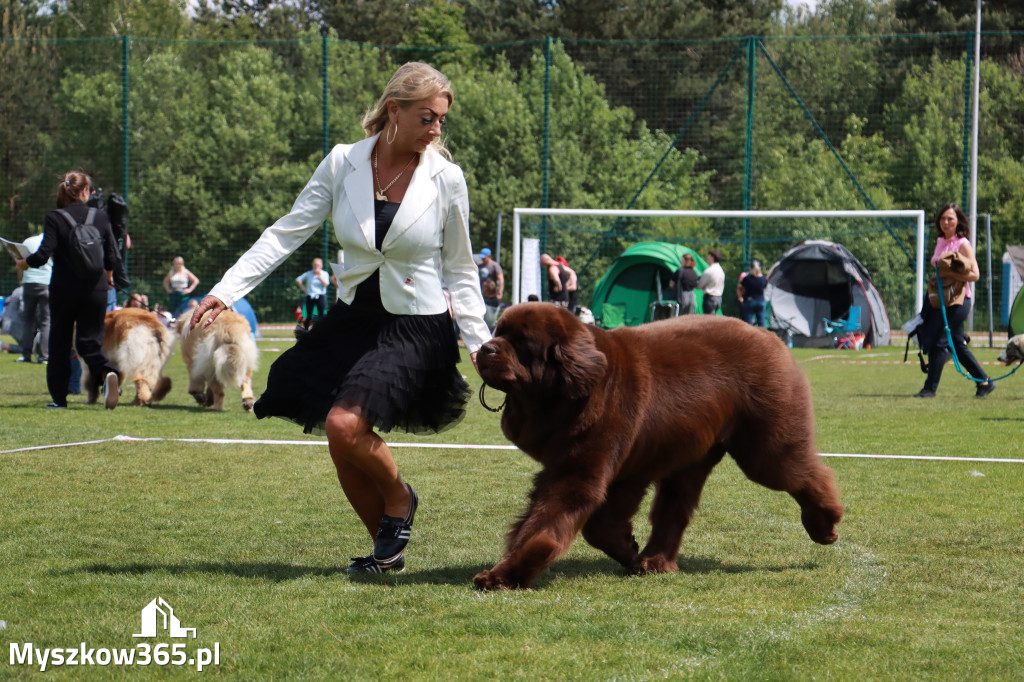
217	356
139	345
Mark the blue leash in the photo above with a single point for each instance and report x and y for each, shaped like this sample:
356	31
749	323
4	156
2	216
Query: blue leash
949	340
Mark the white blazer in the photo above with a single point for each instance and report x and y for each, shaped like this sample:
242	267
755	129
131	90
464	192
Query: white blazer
426	248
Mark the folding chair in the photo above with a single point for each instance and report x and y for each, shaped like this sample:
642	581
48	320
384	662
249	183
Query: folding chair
849	336
850	324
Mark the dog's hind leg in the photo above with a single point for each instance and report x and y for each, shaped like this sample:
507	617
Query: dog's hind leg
143	394
610	527
795	468
198	390
163	387
247	396
675	501
217	403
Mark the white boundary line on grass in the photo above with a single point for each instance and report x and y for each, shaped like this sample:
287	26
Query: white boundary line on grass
456	446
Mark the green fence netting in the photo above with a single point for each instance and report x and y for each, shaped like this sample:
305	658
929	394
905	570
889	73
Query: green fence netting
210	142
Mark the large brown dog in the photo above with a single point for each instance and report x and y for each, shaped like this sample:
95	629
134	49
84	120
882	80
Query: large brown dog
219	355
139	345
609	413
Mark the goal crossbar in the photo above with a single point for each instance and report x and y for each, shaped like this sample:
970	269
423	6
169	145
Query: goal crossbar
917	214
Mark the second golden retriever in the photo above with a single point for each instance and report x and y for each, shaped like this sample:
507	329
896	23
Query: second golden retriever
217	356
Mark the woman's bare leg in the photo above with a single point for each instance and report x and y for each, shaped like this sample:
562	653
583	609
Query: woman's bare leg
366	469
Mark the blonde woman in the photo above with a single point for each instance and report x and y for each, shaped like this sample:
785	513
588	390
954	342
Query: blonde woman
385	355
179	282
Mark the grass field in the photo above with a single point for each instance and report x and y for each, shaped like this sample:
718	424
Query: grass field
248	543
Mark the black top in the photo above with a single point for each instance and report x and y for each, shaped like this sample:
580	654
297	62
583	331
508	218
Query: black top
753	287
56	230
368	291
563	278
686	279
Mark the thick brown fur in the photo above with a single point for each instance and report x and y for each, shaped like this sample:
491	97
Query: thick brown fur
218	356
609	413
1014	350
139	345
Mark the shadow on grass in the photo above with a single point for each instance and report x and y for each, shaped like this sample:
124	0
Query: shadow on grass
446	575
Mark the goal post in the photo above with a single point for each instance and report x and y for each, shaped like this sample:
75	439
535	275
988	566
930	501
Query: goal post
517	213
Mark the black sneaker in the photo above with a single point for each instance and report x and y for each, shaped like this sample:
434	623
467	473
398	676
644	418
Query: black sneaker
111	392
393	533
984	389
56	406
925	393
366	564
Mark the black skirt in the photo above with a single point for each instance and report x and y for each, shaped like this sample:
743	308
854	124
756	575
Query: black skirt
400	370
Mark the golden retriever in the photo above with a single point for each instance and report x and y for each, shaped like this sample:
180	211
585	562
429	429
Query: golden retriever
139	345
610	413
218	356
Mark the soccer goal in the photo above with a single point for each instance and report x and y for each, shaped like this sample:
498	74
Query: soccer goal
599	223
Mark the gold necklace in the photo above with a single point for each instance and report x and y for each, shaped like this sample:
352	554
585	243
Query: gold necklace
380	192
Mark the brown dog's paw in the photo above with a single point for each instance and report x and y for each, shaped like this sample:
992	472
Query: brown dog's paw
201	397
248	403
655	564
490	580
820	525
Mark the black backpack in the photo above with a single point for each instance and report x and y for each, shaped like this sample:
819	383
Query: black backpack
86	243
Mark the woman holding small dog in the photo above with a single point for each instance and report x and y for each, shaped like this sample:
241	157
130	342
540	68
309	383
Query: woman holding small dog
385	355
953	230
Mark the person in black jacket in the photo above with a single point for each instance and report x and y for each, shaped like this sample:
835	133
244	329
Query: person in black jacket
684	281
75	301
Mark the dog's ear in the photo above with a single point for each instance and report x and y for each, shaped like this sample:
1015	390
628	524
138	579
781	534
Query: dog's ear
582	363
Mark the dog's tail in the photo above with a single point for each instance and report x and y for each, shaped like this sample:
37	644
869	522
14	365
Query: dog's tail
165	343
232	362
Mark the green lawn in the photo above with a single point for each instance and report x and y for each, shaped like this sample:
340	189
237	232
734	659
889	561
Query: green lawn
248	543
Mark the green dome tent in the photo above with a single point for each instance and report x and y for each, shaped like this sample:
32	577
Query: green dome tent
1017	315
1015	320
638	278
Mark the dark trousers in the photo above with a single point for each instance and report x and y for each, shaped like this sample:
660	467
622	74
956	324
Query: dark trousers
78	316
939	352
35	299
711	304
315	306
753	311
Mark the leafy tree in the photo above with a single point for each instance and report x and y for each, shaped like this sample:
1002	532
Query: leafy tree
438	24
948	16
385	22
27	83
597	161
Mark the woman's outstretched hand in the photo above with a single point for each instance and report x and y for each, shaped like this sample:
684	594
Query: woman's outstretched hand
211	303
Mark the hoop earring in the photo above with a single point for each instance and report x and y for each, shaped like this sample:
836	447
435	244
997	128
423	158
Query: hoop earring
389	138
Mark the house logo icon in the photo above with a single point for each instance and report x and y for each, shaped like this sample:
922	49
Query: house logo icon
158	613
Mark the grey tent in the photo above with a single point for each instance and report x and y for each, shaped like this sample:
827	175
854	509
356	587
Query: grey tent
819	280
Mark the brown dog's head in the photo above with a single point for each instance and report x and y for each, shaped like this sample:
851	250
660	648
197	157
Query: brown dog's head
1014	351
541	350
